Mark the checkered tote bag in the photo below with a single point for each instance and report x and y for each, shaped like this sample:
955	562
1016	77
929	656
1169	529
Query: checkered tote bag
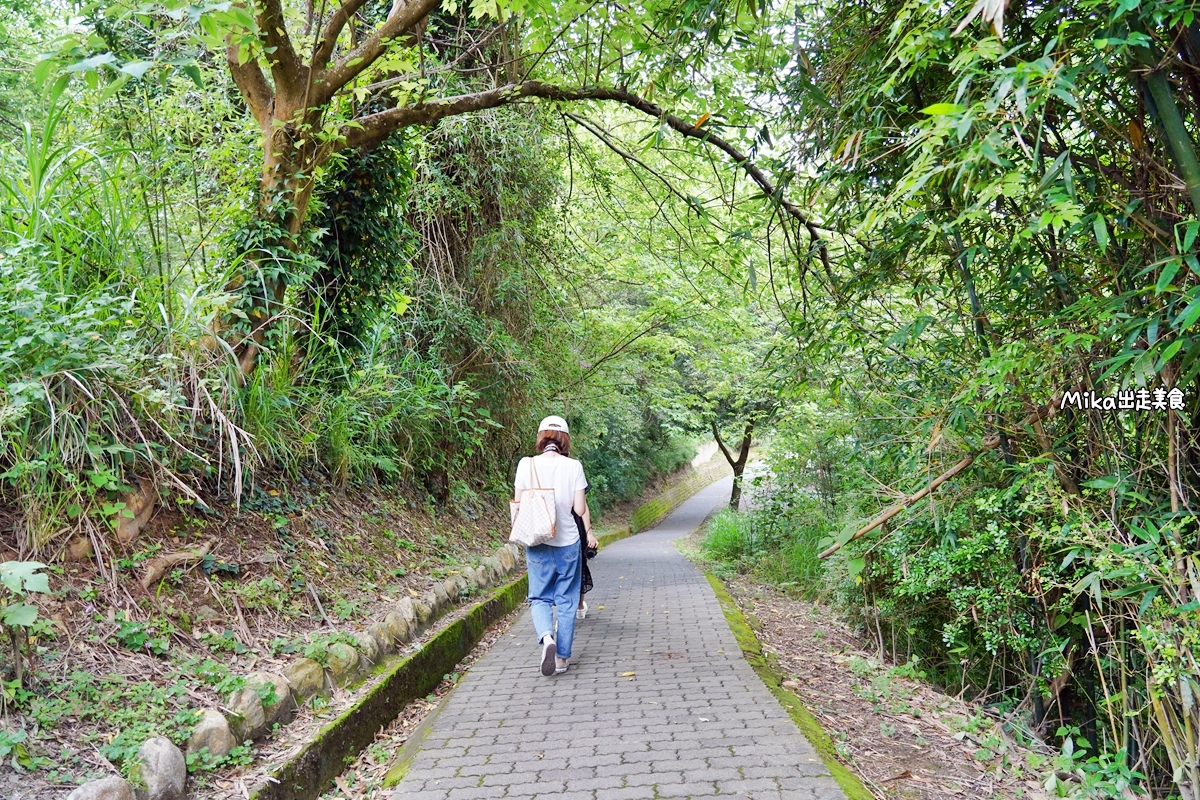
534	517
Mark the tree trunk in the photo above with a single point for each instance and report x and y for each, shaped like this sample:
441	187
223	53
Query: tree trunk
284	195
739	463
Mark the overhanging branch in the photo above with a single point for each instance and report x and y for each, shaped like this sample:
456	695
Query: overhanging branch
630	157
991	442
374	128
332	30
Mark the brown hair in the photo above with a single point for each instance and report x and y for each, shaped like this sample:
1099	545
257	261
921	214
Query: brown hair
560	438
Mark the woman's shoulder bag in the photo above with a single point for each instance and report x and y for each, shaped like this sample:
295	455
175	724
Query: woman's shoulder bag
534	516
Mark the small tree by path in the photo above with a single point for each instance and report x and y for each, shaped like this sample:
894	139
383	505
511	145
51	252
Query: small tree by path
738	463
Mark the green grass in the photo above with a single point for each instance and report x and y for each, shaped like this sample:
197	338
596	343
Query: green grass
775	548
726	538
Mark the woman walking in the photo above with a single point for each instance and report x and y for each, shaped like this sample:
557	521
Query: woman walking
556	567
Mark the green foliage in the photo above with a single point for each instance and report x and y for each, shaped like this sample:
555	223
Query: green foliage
777	543
14	750
365	245
19	618
239	756
139	636
126	713
20	579
98	381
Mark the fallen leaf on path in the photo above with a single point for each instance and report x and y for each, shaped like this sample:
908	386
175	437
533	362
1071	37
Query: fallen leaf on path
628	674
901	776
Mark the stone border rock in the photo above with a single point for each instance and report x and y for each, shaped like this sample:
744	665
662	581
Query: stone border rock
311	771
267	699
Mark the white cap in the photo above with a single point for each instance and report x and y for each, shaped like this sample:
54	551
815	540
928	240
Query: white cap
554	424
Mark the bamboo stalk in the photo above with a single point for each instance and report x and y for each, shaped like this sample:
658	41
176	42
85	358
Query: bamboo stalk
1178	140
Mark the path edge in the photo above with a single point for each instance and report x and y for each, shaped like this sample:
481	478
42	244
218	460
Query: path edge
310	772
653	511
766	667
412	744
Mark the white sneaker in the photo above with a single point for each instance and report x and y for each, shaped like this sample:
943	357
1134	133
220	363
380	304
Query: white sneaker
548	657
580	613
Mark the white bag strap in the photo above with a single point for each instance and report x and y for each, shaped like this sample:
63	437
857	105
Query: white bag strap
537	484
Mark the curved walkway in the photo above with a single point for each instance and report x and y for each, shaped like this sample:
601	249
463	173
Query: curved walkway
693	720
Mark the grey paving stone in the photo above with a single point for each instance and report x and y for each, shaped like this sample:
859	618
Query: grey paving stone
693	721
691	789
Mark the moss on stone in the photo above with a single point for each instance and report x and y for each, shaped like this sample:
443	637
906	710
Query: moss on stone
648	514
605	539
311	771
767	668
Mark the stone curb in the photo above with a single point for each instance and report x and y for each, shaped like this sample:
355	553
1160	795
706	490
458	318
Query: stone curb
312	770
767	668
267	698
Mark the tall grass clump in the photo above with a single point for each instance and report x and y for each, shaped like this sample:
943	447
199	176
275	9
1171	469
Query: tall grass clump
99	385
776	543
727	539
381	411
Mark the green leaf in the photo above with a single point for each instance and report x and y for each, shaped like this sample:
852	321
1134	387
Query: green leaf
856	566
193	72
38	583
1167	275
242	17
941	109
20	577
1168	354
1189	314
1147	600
1054	170
113	87
21	615
1100	228
1189	235
1107	482
137	69
93	63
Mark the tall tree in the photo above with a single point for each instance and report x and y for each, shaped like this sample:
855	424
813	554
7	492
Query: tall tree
321	79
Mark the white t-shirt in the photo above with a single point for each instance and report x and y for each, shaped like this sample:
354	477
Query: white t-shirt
565	476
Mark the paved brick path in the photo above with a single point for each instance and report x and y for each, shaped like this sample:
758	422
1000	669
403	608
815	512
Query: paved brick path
694	720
